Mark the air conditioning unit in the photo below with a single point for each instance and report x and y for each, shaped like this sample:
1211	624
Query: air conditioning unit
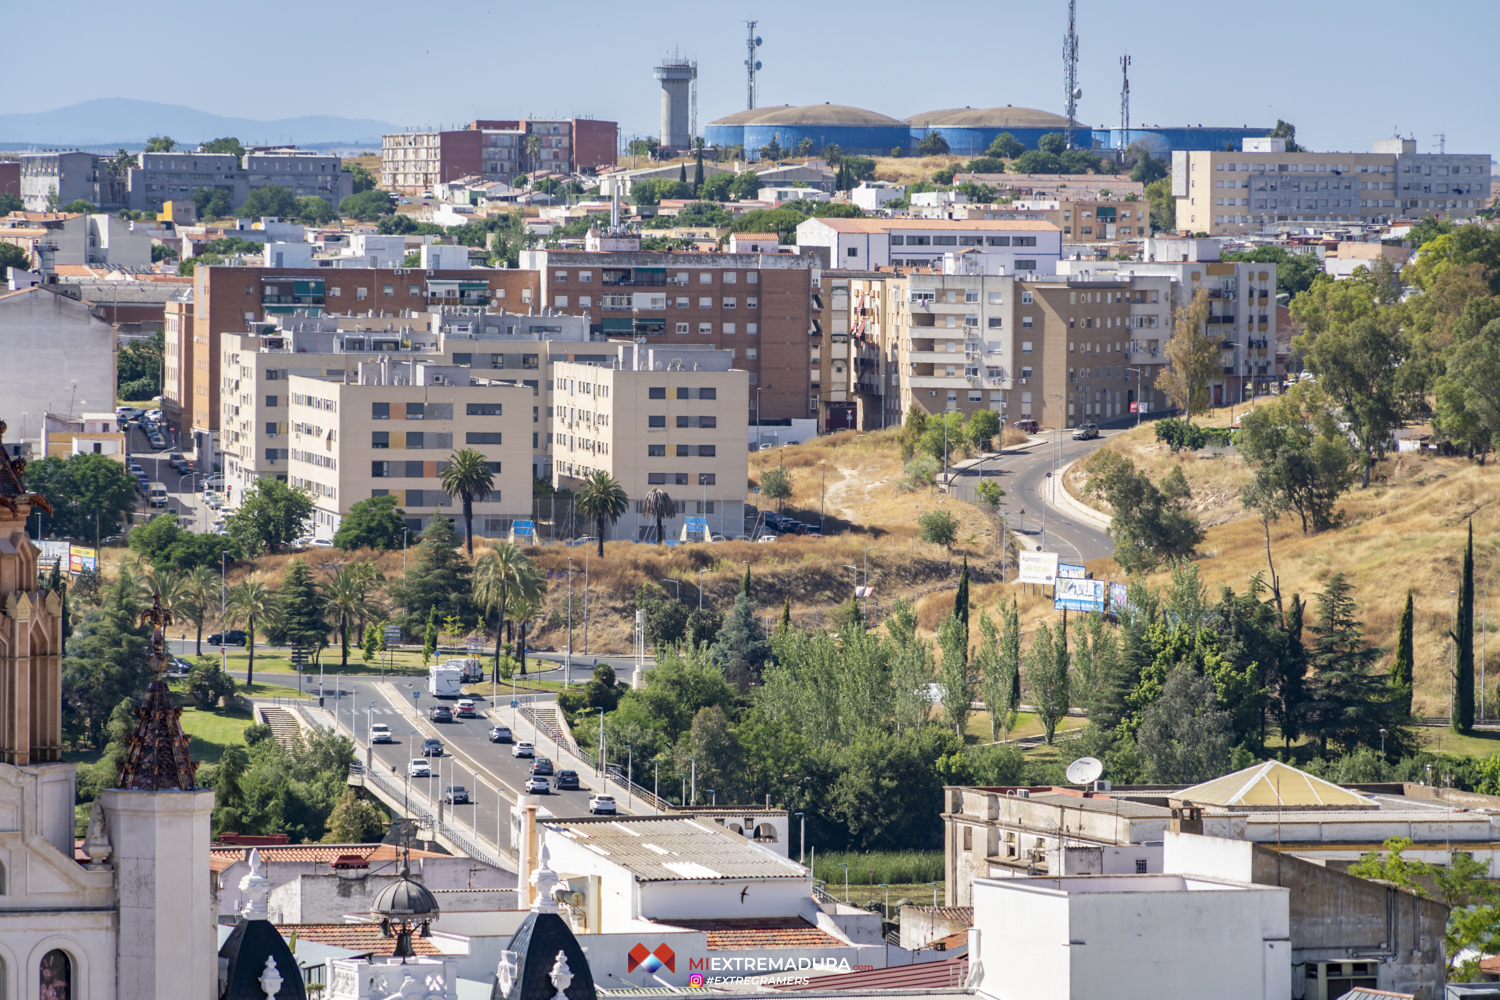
1023	381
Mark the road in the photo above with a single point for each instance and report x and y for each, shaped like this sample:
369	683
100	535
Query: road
182	498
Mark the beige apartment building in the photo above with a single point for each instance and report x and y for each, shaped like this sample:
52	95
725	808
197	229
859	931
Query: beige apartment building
177	360
391	432
670	417
1224	193
1082	220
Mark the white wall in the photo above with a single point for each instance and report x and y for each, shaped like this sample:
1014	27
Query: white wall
54	341
288	255
702	900
445	258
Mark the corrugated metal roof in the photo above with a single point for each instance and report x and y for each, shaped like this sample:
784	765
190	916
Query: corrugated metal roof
751	933
945	975
667	849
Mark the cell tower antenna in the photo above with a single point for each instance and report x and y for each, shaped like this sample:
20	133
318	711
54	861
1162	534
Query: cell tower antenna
1070	72
1442	139
751	64
1124	94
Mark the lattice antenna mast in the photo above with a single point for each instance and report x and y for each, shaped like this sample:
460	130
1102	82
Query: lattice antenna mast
1070	72
1124	94
751	64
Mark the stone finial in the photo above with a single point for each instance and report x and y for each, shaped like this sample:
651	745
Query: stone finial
505	972
544	879
96	844
254	887
270	980
561	976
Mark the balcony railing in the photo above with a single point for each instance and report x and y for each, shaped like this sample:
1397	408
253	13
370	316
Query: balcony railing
1220	320
1221	293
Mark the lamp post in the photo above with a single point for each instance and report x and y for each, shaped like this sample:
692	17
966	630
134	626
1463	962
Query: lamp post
656	783
885	910
700	588
802	839
585	600
934	894
845	865
1139	398
568	669
822	493
678	583
629	777
1452	659
1382	742
602	769
693	761
369	737
714	793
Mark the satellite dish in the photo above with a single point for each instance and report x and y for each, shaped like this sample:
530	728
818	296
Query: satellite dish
1077	93
1084	771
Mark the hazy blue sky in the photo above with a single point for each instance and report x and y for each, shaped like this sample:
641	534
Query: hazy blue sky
1345	73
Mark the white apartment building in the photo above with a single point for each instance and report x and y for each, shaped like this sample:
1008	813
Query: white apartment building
662	417
1008	247
1264	186
392	432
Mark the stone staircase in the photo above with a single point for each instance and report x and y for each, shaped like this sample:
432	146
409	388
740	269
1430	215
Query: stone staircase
550	721
283	724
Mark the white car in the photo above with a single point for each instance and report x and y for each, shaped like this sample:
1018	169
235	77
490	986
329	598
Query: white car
421	768
602	804
523	750
322	543
538	785
766	538
381	733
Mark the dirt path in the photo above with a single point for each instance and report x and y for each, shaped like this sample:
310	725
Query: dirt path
855	487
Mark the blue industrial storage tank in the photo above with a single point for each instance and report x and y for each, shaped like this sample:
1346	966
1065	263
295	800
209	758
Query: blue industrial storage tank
970	131
854	130
1188	138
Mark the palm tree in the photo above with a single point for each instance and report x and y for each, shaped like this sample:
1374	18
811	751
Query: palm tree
521	612
601	498
366	576
659	505
504	573
250	602
344	597
200	597
468	478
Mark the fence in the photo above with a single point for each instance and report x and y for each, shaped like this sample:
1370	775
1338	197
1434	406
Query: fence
424	815
556	519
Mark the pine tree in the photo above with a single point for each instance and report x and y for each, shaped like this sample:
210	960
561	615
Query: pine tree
682	173
1402	668
1463	637
441	578
961	598
106	659
741	648
786	605
301	621
1346	703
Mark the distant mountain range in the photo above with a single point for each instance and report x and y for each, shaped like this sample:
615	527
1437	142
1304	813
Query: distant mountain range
118	121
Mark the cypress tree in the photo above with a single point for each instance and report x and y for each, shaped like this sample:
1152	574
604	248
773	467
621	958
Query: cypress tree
682	174
1292	688
961	599
698	173
429	638
786	606
1463	711
745	584
1401	670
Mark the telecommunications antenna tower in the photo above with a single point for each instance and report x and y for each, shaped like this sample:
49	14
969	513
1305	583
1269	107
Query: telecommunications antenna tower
1085	771
1070	72
1125	95
751	64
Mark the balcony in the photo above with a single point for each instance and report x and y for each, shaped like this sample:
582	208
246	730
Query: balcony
1229	369
1221	293
1221	320
1227	345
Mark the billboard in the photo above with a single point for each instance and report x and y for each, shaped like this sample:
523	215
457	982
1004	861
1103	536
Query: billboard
53	553
1038	567
1117	596
1079	595
1069	571
81	559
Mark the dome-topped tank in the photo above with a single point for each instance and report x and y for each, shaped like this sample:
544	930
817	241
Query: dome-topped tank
856	131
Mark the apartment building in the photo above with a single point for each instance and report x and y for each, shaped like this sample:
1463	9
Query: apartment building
847	365
233	299
60	178
178	176
177	360
670	417
765	308
1242	310
1224	193
81	239
391	432
413	162
1009	247
1081	220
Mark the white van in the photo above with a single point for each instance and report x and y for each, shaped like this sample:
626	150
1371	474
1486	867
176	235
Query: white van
444	681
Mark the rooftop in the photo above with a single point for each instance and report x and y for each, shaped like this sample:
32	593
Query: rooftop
1006	117
668	849
753	933
928	977
363	938
1273	785
887	225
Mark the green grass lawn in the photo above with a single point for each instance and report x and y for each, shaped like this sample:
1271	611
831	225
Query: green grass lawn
1478	743
213	732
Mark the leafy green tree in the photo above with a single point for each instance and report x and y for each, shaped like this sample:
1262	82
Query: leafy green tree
82	488
1295	272
1357	368
716	187
1151	523
251	603
467	478
776	484
355	820
363	179
79	206
208	682
1184	736
1148	169
271	200
746	186
376	523
666	617
990	494
1468	390
1462	711
955	678
1162	205
982	429
1036	161
429	636
191	551
1287	131
741	648
502	575
657	505
985	165
314	211
161	144
368	205
12	256
1303	461
374	640
228	144
1047	677
440	578
961	598
271	516
10	203
139	367
1006	146
938	527
388	225
603	499
1053	142
213	203
105	772
1192	358
345	600
155	536
105	662
997	675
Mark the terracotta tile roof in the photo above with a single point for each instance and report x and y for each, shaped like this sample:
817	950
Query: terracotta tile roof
956	913
356	937
312	853
749	933
755	236
924	976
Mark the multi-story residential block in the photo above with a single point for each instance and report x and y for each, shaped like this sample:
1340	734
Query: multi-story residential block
81	239
177	361
670	417
1222	193
1033	247
413	162
233	299
1081	220
163	177
52	179
392	431
764	307
1242	310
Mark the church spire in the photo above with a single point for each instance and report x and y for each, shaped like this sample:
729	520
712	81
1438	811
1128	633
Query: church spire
156	757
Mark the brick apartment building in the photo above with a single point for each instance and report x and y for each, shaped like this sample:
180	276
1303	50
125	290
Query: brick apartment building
765	308
497	150
230	299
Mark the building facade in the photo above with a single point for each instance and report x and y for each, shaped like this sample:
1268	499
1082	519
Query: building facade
47	332
1225	193
49	180
1081	220
178	176
495	150
1009	247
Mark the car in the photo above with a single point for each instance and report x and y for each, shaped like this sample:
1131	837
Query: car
456	795
381	733
158	495
155	415
602	804
322	543
465	708
1029	426
176	458
537	785
234	637
766	538
432	747
441	713
129	412
420	768
135	467
179	667
541	765
523	750
500	734
158	442
567	780
1085	432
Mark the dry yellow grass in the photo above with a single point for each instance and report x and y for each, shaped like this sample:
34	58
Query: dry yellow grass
370	161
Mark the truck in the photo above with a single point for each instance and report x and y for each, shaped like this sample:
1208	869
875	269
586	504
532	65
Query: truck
444	680
470	669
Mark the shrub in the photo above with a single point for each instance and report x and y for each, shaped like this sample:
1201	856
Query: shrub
938	527
1180	434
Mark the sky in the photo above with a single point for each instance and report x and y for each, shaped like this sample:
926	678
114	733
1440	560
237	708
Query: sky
1344	73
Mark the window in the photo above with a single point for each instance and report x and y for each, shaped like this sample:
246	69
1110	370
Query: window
730	303
656	451
415	439
584	301
1140	866
683	450
656	478
708	393
997	241
898	241
1025	347
971	295
1023	241
679	479
708	421
380	411
1025	298
585	276
1026	373
560	301
945	241
684	421
562	277
361	293
417	290
483	409
1026	322
752	329
656	392
682	328
1025	265
707	479
683	392
380	439
995	322
854	251
919	241
389	290
380	470
379	493
751	354
704	302
705	329
270	400
729	329
707	451
657	421
480	437
414	411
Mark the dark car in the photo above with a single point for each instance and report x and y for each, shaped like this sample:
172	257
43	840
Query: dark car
441	713
1029	426
432	747
500	734
567	781
456	795
234	637
541	765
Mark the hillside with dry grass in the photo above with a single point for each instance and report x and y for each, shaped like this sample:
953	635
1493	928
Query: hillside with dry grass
1407	531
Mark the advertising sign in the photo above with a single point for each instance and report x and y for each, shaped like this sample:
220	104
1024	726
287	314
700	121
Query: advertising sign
1079	595
1038	567
81	559
1117	596
1069	571
53	553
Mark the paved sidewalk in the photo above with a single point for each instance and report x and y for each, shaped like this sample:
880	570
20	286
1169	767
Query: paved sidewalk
1067	502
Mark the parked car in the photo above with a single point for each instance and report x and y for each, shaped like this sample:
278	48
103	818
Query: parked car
234	637
1085	432
158	495
523	750
432	747
465	708
135	467
499	734
567	781
602	804
1029	426
537	785
541	765
441	713
420	768
456	795
176	458
766	538
381	733
180	667
322	543
129	412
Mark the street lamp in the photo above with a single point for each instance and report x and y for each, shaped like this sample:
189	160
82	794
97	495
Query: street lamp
694	786
667	579
802	839
656	782
886	910
700	588
822	493
714	793
934	894
1140	400
629	777
602	769
1382	743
